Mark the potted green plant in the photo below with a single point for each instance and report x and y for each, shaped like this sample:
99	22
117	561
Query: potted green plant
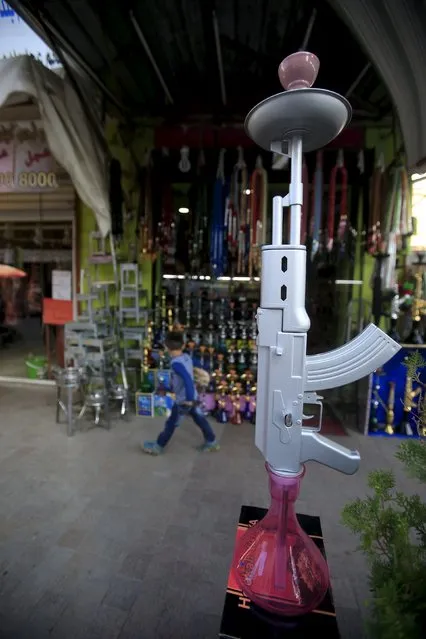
392	530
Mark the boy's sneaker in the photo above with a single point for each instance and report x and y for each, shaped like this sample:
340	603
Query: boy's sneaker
209	447
152	448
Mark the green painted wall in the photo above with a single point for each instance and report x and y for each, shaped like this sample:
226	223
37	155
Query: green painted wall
142	142
388	144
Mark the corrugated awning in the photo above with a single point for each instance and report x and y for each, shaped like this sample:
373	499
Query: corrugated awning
393	34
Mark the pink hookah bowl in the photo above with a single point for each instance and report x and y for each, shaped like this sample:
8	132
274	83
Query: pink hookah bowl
276	564
299	70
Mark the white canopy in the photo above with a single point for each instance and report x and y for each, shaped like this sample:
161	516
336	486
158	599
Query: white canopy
393	34
69	135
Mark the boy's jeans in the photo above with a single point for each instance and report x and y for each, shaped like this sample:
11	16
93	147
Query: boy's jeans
173	421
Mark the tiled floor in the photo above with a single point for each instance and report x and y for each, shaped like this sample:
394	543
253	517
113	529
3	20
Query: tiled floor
100	541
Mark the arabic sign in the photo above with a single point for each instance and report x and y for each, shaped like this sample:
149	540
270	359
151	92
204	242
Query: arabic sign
26	163
17	38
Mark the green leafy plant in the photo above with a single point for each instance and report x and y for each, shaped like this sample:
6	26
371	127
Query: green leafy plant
392	530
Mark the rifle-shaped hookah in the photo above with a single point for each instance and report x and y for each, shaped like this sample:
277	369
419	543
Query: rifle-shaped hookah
294	576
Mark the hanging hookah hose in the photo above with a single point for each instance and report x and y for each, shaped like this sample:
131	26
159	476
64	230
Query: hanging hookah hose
242	221
218	226
393	226
305	207
317	198
374	230
338	169
354	236
168	223
258	204
198	211
231	219
406	218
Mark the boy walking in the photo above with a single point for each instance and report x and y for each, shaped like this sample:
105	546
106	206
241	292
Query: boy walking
183	387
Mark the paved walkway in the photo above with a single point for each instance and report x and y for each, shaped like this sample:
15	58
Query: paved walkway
100	541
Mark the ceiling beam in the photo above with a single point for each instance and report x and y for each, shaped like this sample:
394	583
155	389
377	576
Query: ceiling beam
358	79
150	55
308	32
219	57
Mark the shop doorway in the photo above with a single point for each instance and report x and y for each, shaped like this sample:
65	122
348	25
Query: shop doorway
41	250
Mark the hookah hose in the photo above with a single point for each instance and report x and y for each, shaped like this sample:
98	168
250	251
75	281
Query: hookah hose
241	183
231	216
338	169
258	204
167	221
217	232
356	198
317	196
406	217
305	207
374	231
393	226
143	226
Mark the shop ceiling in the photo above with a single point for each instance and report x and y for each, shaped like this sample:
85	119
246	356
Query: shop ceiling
188	59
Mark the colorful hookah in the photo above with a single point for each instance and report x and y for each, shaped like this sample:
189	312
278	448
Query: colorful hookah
278	567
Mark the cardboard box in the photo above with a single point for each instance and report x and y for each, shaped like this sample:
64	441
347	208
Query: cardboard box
241	621
154	404
144	404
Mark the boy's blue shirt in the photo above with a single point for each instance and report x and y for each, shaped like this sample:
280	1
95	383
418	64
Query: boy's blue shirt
182	378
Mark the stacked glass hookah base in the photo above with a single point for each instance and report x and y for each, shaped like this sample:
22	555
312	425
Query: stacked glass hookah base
276	564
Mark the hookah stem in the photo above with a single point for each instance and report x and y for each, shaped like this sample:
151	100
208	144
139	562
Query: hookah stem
280	577
305	207
296	182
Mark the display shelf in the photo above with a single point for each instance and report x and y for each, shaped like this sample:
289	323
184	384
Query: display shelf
393	398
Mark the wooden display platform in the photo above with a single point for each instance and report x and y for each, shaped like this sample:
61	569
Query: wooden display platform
241	621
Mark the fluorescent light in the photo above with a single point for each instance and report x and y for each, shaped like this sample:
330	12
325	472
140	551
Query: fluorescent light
224	279
183	209
352	282
241	279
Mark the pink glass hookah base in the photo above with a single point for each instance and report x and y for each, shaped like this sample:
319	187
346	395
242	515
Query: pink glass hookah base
276	564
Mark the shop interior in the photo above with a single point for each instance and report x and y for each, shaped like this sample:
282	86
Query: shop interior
38	250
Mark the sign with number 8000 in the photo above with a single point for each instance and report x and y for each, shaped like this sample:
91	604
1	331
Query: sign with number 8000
37	180
29	180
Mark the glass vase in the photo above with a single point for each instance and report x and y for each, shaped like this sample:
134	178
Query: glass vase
276	564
